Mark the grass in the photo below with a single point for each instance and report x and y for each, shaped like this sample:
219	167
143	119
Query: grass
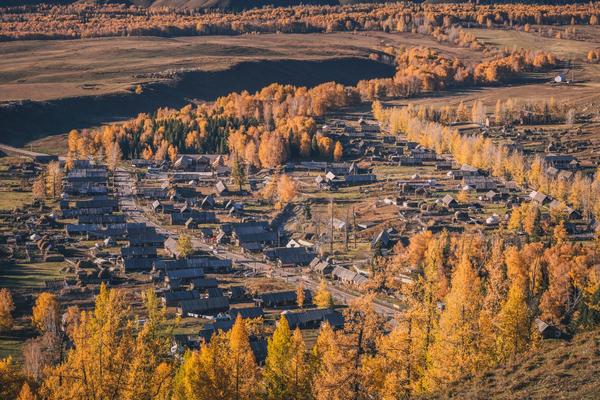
29	276
556	370
12	200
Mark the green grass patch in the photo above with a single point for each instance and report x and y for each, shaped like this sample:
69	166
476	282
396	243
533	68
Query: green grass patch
29	275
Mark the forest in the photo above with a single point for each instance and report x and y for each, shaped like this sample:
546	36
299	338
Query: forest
277	123
492	300
83	20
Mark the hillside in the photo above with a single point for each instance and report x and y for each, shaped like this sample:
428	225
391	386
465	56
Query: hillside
558	370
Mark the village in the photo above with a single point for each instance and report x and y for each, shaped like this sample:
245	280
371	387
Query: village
212	248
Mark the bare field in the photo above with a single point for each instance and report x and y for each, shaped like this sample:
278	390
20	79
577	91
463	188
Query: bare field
46	70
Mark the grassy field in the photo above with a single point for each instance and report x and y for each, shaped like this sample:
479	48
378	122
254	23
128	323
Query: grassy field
12	200
29	276
45	70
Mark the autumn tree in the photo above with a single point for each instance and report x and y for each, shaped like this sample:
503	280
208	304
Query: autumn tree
333	367
108	358
300	295
287	189
26	393
11	379
149	373
54	179
39	188
455	351
46	317
244	371
238	172
7	306
185	248
113	155
338	151
277	372
323	298
514	322
478	114
560	232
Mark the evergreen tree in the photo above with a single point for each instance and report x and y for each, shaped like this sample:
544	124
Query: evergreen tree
238	172
243	368
456	348
277	374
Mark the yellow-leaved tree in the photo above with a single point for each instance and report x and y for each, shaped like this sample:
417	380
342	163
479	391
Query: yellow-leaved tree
277	374
323	297
224	369
7	306
46	316
113	357
455	350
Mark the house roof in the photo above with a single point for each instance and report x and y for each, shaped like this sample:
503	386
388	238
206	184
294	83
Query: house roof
187	273
220	187
447	200
207	305
290	255
301	318
282	297
343	274
174	297
246	312
538	196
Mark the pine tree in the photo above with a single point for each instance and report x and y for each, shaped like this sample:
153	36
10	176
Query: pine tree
333	368
276	375
238	172
300	295
514	322
323	298
26	393
11	378
455	351
301	369
243	368
150	375
7	306
106	357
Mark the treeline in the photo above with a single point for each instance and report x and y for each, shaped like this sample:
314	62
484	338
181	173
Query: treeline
582	192
83	20
475	303
421	69
264	129
276	124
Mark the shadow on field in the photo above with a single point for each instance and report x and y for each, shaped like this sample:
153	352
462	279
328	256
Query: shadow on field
21	122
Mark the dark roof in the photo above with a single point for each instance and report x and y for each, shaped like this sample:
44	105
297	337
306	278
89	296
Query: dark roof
307	317
174	297
290	255
188	273
214	292
202	284
282	297
138	264
206	263
204	306
138	251
247	312
200	217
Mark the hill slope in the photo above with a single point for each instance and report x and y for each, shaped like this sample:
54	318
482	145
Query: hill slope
558	370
